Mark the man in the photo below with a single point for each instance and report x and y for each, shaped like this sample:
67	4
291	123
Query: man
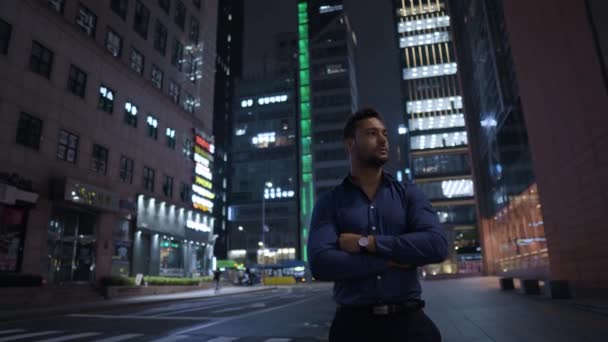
369	235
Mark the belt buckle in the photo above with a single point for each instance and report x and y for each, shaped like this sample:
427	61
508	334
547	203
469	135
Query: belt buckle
380	310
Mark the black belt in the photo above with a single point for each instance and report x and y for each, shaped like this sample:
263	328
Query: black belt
386	309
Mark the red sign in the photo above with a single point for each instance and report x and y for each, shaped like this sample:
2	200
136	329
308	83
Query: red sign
203	143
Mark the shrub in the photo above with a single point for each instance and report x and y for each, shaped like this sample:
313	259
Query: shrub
117	281
7	280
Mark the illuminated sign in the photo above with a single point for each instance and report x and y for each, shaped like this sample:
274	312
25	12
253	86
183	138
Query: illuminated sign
202	182
202	194
202	191
203	171
204	144
197	226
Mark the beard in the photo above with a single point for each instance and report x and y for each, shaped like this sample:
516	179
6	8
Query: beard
374	161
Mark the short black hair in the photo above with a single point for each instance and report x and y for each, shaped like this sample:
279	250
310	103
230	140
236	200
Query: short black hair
351	123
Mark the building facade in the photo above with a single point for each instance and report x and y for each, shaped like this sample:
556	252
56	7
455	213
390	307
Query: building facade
106	110
534	102
263	203
438	143
228	69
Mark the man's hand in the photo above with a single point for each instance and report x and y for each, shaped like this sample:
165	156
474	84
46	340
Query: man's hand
349	242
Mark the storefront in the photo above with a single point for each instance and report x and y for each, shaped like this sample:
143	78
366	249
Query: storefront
14	206
171	241
82	215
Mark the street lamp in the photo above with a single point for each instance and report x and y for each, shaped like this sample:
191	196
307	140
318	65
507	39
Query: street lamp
246	241
267	185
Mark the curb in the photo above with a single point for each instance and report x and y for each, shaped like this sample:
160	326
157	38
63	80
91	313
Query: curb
107	305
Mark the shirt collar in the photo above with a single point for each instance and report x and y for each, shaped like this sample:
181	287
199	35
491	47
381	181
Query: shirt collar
386	180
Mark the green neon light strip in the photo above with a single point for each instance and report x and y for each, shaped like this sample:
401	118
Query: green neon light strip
306	190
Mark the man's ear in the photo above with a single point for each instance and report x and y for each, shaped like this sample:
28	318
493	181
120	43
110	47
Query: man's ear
348	144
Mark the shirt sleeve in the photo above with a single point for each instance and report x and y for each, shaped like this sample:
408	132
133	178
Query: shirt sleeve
327	261
425	242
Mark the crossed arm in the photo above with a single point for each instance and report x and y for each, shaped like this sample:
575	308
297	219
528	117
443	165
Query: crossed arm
336	257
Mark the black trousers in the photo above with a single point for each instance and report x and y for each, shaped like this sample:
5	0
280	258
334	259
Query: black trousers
363	326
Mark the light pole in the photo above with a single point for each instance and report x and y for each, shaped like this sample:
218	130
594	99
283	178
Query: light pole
246	241
267	185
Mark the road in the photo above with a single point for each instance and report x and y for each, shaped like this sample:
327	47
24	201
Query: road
300	313
465	310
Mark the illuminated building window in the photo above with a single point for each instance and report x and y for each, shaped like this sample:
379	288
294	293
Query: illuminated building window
424	39
86	20
328	9
152	127
106	99
170	134
437	122
434	105
130	114
446	189
430	71
113	43
188	148
441	140
424	24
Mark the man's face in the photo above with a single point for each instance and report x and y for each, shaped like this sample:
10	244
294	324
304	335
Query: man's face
370	145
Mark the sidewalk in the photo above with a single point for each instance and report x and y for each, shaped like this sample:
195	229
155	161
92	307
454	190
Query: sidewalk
10	315
476	310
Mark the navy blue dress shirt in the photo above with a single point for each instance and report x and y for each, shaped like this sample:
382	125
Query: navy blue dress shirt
406	229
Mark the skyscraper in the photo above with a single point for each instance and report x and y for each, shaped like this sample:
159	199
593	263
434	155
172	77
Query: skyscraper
438	141
537	111
228	69
262	214
327	95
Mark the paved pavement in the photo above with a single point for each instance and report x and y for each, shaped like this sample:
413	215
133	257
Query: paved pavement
472	310
18	313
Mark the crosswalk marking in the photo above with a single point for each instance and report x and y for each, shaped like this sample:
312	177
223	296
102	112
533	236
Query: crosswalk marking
70	337
11	331
162	318
22	336
171	338
119	338
222	339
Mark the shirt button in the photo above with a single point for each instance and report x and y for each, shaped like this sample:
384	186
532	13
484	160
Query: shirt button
374	228
371	207
379	277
